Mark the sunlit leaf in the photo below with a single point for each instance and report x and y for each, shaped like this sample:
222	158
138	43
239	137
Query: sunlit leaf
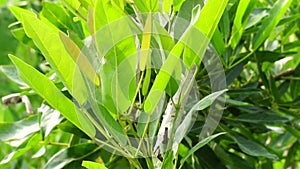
270	22
93	165
46	89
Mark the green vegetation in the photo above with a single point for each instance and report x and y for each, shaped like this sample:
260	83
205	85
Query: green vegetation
150	84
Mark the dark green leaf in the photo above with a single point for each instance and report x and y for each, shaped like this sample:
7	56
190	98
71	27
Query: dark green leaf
68	155
252	148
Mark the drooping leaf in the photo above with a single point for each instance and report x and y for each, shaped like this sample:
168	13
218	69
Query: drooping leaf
48	41
71	154
46	89
19	131
198	146
185	125
22	149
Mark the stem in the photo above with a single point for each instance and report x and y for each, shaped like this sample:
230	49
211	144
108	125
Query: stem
241	60
143	135
136	93
55	143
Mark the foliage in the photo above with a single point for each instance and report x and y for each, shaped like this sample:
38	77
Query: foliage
150	84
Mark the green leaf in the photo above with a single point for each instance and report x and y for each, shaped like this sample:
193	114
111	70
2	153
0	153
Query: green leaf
184	17
207	100
12	74
211	15
93	165
24	148
239	22
145	46
292	155
177	4
198	146
115	45
218	42
252	148
16	133
80	59
263	118
46	89
147	6
269	23
167	4
168	160
50	118
163	78
231	160
225	25
18	12
119	3
58	16
69	127
20	35
185	125
71	154
48	41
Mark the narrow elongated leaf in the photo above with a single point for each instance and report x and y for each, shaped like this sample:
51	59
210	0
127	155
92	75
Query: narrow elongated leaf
116	45
18	12
238	23
198	146
50	118
177	4
262	118
48	41
253	148
145	46
46	89
78	57
24	148
185	125
12	74
184	17
270	22
58	16
68	155
210	15
93	165
11	132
